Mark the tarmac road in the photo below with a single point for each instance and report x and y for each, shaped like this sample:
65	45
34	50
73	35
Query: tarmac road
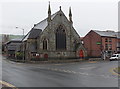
76	74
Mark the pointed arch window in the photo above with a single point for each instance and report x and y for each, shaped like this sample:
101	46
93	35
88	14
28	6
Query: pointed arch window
60	38
45	44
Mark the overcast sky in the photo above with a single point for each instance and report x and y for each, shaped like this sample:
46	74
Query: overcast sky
87	14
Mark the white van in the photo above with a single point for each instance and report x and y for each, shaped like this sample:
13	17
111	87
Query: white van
115	57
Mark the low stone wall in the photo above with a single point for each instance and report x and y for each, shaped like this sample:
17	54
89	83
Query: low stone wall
58	61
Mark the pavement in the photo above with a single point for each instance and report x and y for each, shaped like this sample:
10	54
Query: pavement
74	74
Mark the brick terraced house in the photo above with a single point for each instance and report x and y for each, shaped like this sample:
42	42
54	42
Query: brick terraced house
99	43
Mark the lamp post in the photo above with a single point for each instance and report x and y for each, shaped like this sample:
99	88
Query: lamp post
22	29
23	42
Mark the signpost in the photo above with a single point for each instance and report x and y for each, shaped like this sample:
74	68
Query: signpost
98	43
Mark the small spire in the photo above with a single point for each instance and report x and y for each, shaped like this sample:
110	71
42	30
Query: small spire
49	9
70	15
49	13
60	7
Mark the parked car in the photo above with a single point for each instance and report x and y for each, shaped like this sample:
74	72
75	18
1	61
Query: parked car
115	57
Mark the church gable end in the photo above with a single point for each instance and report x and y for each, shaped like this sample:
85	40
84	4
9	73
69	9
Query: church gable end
58	38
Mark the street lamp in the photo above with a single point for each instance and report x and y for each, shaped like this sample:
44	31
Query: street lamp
22	29
23	42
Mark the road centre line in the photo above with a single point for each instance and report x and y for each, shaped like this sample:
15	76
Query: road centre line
65	71
69	71
87	68
73	72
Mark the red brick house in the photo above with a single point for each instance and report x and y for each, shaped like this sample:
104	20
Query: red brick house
98	43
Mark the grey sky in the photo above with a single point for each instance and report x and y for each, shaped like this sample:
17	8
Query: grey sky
87	15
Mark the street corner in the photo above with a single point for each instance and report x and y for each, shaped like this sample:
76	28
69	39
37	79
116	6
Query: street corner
115	71
6	85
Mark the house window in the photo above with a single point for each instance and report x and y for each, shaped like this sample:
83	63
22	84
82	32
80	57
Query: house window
60	38
106	46
44	44
110	46
106	40
110	40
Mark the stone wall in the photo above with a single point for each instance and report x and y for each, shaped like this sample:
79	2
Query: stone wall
72	38
49	34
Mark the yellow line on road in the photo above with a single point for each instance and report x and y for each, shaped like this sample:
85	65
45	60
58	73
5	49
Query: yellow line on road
114	73
7	84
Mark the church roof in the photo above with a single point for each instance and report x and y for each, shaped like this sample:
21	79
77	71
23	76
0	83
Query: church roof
32	34
43	24
38	28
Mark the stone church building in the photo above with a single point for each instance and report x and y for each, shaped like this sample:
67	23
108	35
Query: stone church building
54	38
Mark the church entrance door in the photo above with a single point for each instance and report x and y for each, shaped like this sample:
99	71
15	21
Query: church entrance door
81	54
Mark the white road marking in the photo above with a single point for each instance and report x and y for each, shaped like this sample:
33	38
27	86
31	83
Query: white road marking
65	71
81	73
87	68
69	71
57	64
74	72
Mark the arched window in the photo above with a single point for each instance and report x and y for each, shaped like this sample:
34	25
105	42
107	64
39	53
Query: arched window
60	38
44	44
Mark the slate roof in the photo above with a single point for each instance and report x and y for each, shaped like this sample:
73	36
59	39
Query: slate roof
118	35
107	33
43	24
32	34
13	44
38	28
14	41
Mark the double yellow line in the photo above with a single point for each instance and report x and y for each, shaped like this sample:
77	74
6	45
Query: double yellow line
7	84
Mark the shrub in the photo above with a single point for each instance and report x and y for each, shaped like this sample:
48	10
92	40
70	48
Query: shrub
19	55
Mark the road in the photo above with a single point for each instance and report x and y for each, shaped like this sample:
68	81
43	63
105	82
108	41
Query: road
77	74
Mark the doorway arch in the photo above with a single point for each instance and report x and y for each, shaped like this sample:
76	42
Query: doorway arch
81	54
